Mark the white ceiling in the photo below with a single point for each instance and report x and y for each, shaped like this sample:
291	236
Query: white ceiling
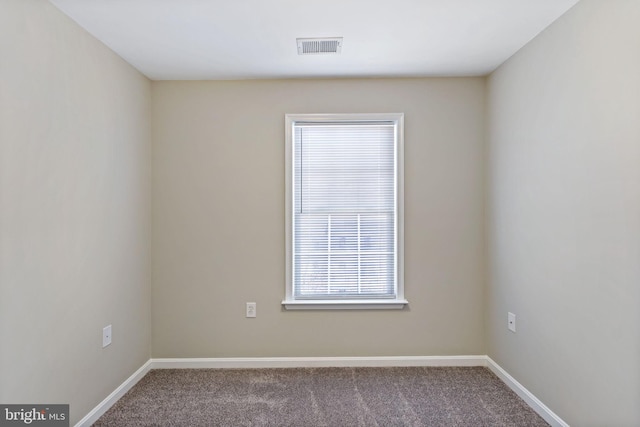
247	39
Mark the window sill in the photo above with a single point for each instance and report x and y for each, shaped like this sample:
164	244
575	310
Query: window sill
395	304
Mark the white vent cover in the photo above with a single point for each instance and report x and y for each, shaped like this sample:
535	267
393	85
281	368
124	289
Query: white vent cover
319	45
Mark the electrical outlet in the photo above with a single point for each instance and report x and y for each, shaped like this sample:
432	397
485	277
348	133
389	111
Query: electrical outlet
251	309
511	322
106	336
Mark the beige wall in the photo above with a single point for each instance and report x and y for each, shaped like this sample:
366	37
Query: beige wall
218	219
565	214
74	211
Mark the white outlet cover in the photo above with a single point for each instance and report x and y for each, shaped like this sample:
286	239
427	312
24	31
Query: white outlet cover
106	336
251	309
511	322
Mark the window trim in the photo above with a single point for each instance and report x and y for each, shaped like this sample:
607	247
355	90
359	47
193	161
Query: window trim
290	303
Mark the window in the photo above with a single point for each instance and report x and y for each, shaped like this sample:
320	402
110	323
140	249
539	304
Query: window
344	197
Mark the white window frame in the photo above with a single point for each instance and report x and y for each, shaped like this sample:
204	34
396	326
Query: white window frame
290	303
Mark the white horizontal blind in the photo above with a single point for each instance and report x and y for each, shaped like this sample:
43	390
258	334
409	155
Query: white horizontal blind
344	203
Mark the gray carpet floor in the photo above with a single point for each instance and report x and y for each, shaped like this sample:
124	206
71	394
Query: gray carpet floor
459	396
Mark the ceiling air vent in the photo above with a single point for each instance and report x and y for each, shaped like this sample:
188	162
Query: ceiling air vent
319	45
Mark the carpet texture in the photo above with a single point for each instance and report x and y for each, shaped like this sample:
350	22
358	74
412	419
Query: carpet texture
383	397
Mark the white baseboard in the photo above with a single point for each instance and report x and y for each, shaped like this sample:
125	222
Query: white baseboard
323	362
108	402
318	362
547	414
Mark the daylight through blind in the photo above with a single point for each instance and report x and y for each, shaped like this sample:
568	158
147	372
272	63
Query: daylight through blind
344	203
